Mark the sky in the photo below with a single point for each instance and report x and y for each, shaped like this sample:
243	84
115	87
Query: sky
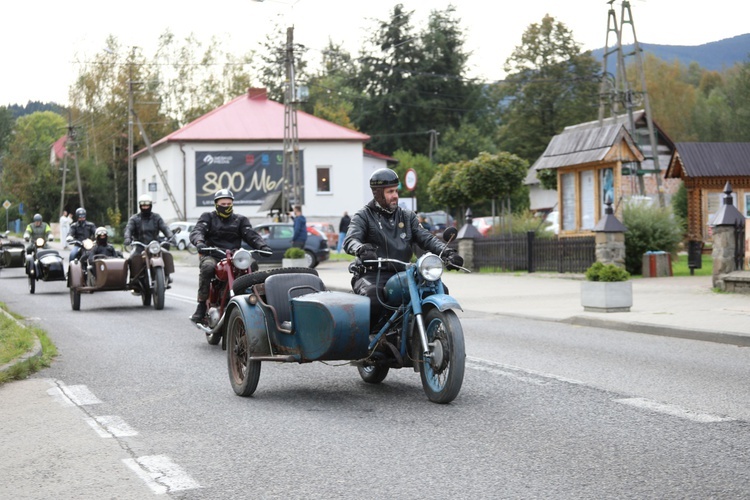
41	40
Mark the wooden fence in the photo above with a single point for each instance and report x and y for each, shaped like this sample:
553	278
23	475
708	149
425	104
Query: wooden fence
528	253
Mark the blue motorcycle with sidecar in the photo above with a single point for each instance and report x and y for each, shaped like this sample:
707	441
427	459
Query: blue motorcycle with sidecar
292	318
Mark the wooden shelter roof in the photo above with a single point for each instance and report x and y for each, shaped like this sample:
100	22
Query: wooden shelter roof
709	159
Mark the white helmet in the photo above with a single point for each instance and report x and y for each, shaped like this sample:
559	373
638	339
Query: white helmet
145	199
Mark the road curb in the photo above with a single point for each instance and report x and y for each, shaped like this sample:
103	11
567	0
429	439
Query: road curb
34	352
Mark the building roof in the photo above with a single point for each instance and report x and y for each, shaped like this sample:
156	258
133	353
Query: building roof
58	149
710	159
253	117
581	145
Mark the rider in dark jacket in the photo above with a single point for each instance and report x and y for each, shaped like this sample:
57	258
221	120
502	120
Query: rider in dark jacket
383	229
80	230
223	229
145	227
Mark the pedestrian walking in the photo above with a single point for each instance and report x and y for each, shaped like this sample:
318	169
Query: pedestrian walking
300	228
343	228
65	221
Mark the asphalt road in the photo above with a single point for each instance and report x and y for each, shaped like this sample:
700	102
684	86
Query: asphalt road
547	410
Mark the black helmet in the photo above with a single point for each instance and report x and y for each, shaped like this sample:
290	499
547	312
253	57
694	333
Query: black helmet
383	177
223	193
80	213
37	218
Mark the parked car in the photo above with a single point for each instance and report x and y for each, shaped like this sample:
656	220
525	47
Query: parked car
439	221
329	231
182	239
278	235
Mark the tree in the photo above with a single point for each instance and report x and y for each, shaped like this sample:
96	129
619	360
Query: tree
27	174
331	94
551	84
425	170
445	191
464	143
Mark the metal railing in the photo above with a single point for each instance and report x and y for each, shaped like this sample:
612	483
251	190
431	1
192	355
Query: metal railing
528	253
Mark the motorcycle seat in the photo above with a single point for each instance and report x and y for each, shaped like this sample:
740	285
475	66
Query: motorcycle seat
42	253
282	288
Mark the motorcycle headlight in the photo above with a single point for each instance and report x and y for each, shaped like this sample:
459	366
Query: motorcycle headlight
242	259
88	244
154	247
430	267
40	242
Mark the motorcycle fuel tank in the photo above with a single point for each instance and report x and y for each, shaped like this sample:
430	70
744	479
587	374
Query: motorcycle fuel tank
222	270
331	325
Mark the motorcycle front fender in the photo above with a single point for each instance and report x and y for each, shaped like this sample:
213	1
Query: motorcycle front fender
258	341
156	262
442	302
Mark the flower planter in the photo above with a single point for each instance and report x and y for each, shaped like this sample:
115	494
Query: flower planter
294	262
606	296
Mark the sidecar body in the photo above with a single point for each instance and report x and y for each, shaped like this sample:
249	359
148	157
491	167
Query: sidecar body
12	254
49	266
292	318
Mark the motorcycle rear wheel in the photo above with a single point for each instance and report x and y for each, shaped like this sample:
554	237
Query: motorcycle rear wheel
145	295
443	374
373	374
32	282
159	287
243	373
75	299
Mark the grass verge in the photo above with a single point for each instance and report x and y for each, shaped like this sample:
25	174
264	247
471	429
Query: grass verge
15	341
680	266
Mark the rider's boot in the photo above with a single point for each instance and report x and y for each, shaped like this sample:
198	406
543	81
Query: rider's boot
200	313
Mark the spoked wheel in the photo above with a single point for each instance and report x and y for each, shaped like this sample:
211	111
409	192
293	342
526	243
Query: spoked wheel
75	299
32	281
373	374
243	373
443	373
159	287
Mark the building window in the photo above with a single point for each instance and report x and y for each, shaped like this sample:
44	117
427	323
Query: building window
588	195
324	179
568	182
747	205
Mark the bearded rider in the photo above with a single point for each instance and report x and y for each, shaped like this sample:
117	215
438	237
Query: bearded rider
383	229
223	229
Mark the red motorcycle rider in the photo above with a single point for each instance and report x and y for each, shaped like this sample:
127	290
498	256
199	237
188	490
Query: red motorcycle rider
223	229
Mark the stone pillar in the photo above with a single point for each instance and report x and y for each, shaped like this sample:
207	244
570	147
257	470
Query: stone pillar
610	238
466	236
726	221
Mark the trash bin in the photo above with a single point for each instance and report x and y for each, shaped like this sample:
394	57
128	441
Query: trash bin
656	265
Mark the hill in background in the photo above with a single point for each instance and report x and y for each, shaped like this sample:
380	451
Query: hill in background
715	56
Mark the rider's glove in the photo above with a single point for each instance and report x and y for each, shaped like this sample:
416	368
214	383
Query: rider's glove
367	252
127	242
453	259
200	246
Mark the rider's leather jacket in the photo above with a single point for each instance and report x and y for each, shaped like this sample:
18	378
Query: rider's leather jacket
146	228
80	230
226	234
392	233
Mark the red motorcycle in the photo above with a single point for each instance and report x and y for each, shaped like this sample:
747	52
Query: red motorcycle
233	264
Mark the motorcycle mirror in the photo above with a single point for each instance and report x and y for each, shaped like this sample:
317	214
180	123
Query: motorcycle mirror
449	234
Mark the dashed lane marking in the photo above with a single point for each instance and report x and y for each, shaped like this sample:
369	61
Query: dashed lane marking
161	474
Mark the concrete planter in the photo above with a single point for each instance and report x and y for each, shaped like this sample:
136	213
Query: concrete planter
294	262
606	296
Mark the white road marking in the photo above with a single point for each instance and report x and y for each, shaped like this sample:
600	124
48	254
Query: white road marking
673	410
182	298
78	395
161	474
507	371
111	426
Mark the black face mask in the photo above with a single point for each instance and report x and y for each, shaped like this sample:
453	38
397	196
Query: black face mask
224	212
146	211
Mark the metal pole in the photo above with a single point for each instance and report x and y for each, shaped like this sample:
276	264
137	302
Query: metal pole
131	205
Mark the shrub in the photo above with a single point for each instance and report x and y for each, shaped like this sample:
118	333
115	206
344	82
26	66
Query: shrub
294	253
606	272
649	229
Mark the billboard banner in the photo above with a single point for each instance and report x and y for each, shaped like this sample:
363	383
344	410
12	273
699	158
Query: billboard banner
250	175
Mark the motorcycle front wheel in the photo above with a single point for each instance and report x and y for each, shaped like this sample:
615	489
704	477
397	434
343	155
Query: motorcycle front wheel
243	373
159	287
32	282
75	299
443	373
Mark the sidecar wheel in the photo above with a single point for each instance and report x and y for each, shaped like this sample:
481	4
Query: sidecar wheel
159	288
75	299
245	281
373	374
243	373
443	374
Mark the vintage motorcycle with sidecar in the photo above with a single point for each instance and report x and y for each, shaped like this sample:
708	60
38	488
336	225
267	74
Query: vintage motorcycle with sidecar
233	265
151	269
12	251
291	318
44	264
99	274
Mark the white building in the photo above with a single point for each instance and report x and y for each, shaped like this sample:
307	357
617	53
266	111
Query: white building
239	146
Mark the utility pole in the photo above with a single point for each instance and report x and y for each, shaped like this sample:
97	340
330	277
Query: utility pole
71	148
291	172
622	96
131	198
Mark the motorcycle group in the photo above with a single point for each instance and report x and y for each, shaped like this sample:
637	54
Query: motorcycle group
399	313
